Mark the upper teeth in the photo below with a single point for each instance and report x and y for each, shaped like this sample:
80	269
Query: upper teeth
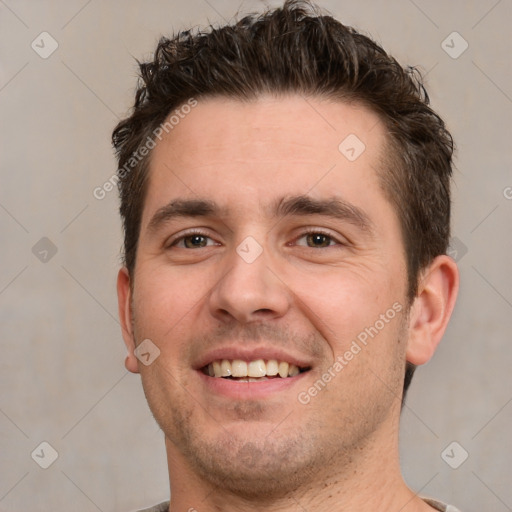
258	368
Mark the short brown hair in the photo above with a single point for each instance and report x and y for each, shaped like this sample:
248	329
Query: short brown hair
297	49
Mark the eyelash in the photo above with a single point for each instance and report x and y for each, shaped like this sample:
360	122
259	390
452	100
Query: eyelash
311	231
319	231
194	232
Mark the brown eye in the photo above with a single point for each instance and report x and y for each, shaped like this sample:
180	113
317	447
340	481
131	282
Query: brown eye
318	240
192	240
195	241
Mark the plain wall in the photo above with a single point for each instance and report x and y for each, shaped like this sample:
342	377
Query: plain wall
62	375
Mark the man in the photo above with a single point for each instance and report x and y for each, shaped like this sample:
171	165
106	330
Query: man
285	198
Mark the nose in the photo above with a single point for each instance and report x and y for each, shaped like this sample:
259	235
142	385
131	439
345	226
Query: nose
249	291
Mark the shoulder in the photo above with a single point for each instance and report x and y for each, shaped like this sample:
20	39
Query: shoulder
161	507
438	505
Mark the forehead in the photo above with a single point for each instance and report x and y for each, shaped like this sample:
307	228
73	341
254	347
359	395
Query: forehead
264	149
312	124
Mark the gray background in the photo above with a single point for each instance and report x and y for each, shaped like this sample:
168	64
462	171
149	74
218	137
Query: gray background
62	377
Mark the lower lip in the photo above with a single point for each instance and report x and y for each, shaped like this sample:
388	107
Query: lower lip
248	390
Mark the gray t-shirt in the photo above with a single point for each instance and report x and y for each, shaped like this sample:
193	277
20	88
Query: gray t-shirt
164	507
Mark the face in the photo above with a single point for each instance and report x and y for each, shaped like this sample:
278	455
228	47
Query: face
265	249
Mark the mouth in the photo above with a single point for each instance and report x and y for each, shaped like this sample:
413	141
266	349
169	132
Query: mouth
257	370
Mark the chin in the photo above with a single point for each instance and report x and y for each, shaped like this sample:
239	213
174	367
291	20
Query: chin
252	481
251	463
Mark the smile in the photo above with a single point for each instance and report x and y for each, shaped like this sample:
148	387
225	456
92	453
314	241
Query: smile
251	371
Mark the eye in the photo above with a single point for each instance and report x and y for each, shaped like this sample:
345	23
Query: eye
317	239
193	241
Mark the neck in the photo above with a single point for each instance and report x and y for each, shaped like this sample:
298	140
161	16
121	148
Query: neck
366	480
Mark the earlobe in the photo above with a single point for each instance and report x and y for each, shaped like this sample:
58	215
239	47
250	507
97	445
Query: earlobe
125	317
432	308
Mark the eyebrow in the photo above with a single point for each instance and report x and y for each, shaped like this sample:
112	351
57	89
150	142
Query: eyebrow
300	205
333	207
183	208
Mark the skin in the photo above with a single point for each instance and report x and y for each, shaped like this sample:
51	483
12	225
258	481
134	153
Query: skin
308	296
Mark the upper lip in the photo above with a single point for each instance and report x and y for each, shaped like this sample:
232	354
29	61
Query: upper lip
250	354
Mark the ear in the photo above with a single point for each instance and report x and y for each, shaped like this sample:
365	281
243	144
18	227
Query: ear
125	316
432	308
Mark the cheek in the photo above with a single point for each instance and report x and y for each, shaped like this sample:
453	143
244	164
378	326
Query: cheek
165	311
165	296
342	303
